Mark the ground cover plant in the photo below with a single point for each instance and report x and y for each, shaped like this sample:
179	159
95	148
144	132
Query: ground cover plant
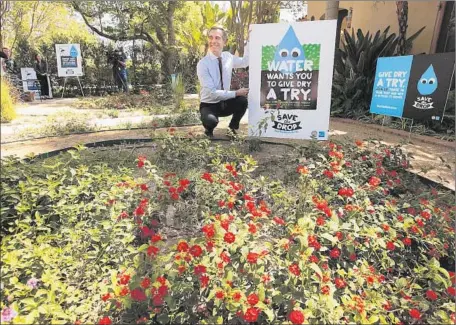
188	231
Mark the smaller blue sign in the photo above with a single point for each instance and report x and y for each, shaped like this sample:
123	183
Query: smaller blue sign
390	85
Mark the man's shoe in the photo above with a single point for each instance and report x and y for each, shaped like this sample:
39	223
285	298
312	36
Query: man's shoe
232	133
209	134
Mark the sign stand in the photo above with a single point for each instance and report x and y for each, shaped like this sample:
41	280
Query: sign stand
448	95
410	133
64	85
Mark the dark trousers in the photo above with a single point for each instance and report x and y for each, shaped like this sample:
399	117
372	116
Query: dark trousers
211	112
42	79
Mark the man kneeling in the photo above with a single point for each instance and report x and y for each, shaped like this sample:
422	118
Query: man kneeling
214	74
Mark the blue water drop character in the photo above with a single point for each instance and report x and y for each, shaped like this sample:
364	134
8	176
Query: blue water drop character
289	54
428	82
73	52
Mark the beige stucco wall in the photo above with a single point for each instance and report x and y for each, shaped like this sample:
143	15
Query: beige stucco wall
375	15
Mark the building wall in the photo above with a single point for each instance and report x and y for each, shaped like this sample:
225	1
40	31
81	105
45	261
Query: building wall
374	15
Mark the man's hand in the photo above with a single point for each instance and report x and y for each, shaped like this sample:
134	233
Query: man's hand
242	92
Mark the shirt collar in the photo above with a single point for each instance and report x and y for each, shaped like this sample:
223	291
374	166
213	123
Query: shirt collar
212	56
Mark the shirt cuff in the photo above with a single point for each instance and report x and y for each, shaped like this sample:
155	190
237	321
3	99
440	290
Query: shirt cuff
231	94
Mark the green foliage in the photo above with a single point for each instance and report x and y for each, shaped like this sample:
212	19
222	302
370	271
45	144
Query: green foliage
59	227
61	124
7	110
102	241
178	88
354	70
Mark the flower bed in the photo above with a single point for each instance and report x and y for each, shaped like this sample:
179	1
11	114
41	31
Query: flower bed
345	235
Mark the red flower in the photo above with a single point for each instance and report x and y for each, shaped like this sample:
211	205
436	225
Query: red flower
339	235
374	181
340	283
157	300
124	279
156	238
265	278
182	246
106	297
252	228
278	221
207	177
415	313
237	296
229	238
196	250
302	170
124	291
145	283
200	269
139	211
219	294
359	143
334	253
184	182
252	258
390	246
209	230
138	295
152	250
163	290
294	269
328	173
106	320
451	291
296	317
407	241
251	314
204	281
252	299
313	259
426	215
325	290
141	160
431	295
346	191
143	187
320	221
224	256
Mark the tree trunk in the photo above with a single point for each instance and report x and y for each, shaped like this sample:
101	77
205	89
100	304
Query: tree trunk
332	10
402	17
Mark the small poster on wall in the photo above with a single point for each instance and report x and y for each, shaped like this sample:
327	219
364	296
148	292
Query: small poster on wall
290	79
413	87
69	60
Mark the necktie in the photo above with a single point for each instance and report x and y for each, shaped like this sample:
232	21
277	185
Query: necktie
220	68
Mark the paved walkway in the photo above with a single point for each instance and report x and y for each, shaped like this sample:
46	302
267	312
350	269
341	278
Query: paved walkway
437	157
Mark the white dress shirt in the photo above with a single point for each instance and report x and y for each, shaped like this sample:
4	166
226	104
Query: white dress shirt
209	75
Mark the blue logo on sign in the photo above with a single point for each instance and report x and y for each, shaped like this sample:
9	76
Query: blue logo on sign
73	52
321	134
289	49
428	82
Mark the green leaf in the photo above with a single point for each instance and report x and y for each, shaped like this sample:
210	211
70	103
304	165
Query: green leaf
316	268
270	314
163	319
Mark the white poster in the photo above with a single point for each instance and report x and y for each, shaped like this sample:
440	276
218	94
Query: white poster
290	78
69	60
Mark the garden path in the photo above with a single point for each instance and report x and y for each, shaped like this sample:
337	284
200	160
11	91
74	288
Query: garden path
432	158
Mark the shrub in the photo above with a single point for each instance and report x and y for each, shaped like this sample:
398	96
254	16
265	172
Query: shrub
7	110
354	69
351	237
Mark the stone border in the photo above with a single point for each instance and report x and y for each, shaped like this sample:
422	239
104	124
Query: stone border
385	129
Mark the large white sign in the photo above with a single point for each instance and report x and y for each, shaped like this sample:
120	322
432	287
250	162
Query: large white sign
290	78
69	60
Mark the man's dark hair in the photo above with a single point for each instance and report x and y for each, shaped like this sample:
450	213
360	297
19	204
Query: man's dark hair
224	33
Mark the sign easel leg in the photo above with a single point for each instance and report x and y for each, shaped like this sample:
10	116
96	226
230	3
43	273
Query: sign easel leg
64	85
80	86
